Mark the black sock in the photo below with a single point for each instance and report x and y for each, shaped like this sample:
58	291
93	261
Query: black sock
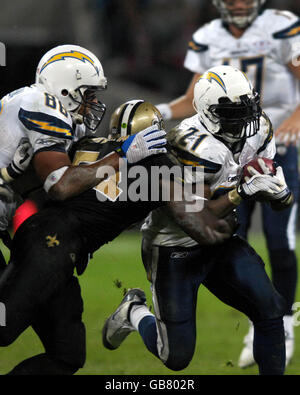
269	346
147	330
284	275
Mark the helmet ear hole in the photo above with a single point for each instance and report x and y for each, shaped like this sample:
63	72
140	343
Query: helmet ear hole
65	92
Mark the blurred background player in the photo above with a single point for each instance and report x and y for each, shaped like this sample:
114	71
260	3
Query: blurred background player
264	43
228	131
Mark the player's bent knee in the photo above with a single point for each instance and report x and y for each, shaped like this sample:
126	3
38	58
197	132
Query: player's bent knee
178	362
180	357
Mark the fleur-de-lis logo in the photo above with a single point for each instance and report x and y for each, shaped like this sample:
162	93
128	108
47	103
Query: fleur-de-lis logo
52	241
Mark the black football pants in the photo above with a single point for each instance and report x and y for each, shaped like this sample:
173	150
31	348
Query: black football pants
38	289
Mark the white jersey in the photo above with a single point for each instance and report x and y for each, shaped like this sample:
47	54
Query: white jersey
32	113
262	52
222	168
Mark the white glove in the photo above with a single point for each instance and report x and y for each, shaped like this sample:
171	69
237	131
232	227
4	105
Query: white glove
148	142
165	111
284	189
264	184
20	161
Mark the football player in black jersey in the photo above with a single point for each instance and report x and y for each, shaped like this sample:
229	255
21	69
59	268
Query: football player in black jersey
38	287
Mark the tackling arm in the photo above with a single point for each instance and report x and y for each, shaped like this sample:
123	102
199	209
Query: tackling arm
62	180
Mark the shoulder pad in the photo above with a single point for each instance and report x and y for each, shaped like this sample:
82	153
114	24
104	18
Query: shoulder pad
197	47
43	113
291	31
282	24
192	147
203	36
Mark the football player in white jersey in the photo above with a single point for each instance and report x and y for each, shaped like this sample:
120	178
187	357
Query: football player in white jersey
46	118
265	45
228	131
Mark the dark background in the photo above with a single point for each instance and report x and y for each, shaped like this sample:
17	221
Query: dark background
140	43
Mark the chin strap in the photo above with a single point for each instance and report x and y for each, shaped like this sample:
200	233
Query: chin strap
77	118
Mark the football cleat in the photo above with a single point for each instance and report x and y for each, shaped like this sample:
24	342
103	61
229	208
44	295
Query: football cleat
117	327
246	358
289	337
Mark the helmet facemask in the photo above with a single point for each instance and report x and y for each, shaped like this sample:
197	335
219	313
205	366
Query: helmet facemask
237	120
241	21
90	110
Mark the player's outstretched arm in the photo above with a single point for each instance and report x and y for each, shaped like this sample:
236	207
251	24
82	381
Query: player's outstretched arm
62	180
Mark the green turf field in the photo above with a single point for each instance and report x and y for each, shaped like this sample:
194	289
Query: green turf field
220	329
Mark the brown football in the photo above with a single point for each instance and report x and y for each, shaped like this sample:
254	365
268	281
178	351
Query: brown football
254	163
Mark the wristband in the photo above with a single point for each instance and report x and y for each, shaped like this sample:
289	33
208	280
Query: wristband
282	204
120	152
54	177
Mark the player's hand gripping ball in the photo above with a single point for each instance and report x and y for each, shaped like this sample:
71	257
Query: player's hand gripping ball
258	166
261	165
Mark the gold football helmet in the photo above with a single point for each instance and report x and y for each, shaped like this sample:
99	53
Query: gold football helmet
132	117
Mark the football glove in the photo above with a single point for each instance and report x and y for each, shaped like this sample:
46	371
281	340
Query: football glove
263	187
284	198
20	161
148	142
284	189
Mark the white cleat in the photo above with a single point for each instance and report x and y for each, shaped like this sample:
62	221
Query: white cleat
246	358
117	327
289	337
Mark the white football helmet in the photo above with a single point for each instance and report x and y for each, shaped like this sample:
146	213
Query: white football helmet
227	104
132	117
73	74
241	21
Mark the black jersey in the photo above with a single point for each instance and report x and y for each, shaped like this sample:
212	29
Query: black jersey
126	198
